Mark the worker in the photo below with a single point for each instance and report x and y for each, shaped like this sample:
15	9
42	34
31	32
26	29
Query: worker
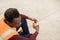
8	25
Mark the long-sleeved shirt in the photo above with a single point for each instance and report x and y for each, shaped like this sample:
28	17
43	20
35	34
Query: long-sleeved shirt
19	37
24	16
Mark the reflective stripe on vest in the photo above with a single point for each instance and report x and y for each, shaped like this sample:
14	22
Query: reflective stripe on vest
6	33
1	38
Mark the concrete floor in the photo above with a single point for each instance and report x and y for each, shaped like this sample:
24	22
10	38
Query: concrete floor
46	11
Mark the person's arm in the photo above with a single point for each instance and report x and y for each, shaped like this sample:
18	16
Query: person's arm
36	27
19	37
24	16
27	17
32	19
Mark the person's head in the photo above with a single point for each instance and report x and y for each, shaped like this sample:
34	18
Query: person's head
12	17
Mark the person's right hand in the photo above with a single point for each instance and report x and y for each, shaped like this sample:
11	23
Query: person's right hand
36	26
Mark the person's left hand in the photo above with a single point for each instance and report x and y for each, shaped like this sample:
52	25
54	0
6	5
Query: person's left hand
36	27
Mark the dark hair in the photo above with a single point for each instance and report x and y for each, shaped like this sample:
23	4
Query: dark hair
10	14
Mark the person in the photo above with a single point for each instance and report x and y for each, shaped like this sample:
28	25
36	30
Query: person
8	25
24	25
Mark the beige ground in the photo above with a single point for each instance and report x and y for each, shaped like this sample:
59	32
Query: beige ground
46	11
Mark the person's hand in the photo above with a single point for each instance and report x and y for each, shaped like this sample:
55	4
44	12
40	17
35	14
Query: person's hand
36	27
35	20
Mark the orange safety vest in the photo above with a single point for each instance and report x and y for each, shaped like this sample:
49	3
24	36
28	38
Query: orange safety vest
6	32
